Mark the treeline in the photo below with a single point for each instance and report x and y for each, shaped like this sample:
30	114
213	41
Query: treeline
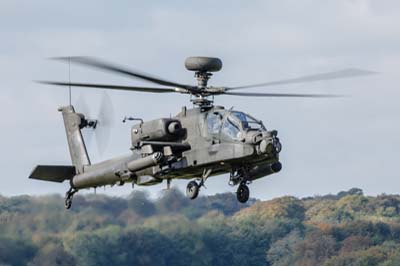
333	230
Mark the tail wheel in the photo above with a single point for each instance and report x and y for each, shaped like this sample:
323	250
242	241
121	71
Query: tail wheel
68	203
68	198
243	193
192	190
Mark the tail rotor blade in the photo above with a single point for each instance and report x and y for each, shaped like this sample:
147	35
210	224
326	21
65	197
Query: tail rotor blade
88	135
104	124
106	112
82	107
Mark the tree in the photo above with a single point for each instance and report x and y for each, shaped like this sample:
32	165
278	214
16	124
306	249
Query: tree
15	252
214	230
56	256
141	204
354	243
282	251
171	201
315	249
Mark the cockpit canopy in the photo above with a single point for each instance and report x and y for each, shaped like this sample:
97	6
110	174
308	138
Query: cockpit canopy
231	123
247	122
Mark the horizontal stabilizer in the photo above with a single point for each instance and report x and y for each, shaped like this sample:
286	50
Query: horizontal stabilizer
54	173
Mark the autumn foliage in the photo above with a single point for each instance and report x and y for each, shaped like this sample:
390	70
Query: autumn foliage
332	230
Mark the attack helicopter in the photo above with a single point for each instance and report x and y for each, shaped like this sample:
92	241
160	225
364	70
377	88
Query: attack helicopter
197	143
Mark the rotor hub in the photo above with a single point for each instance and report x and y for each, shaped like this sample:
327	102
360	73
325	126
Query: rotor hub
202	66
202	102
202	79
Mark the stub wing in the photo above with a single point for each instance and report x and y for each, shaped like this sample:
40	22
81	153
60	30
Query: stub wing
54	173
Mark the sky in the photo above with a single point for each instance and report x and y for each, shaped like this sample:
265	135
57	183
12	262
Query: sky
329	145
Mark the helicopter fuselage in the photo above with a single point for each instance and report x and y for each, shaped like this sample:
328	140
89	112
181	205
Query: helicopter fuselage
195	144
213	141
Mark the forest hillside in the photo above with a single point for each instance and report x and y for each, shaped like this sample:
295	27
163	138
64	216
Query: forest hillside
348	228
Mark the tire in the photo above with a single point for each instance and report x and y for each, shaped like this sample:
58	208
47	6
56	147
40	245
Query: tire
192	190
243	193
68	203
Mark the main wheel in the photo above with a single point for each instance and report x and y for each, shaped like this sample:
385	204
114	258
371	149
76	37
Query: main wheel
243	193
192	190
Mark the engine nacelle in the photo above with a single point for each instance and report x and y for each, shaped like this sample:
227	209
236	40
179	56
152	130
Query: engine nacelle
164	129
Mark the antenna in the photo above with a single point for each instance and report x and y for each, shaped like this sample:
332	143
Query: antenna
69	78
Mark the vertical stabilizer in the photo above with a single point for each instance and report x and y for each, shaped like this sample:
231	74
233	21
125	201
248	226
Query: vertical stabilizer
73	123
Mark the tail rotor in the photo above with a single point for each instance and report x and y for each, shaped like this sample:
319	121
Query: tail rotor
97	127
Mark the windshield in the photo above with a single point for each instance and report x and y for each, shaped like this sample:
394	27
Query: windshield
247	121
214	122
230	129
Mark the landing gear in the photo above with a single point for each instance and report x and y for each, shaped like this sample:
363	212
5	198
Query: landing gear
241	176
243	193
192	190
68	197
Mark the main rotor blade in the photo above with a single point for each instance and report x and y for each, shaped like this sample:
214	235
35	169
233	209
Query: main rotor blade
345	73
113	87
99	64
255	94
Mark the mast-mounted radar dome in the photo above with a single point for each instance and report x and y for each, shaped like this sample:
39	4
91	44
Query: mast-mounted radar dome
203	64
